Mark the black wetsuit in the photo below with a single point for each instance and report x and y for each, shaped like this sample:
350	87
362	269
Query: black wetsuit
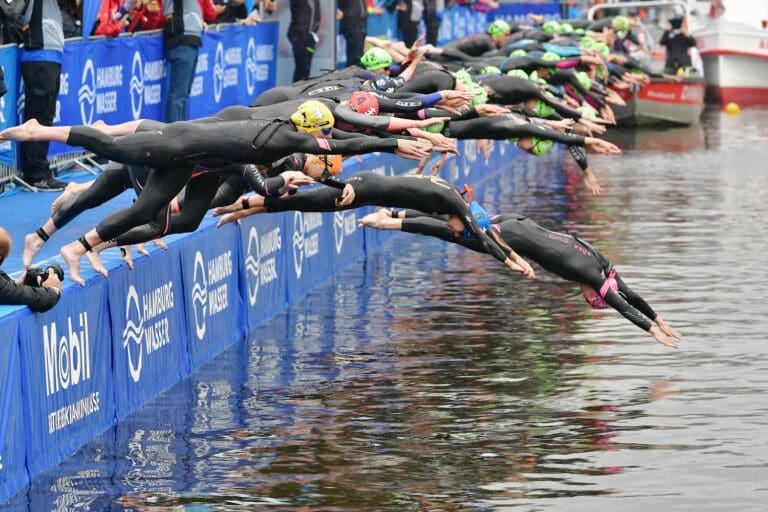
560	253
428	193
509	90
473	45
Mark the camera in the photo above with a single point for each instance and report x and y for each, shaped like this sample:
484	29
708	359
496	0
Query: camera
35	276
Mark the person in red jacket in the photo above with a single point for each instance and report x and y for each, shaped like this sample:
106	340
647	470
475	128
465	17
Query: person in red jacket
146	15
114	17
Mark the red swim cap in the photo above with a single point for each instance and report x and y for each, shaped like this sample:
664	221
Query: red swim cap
364	103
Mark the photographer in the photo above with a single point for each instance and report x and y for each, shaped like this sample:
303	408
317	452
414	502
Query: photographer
42	289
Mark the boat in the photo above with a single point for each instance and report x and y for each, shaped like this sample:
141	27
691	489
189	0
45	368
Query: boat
732	39
676	100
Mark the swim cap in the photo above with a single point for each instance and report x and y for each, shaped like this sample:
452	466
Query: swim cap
536	78
550	57
543	110
587	42
311	116
463	76
364	103
517	53
386	83
584	79
588	112
480	215
481	96
490	70
602	48
597	301
579	31
435	128
519	73
620	23
566	28
499	28
541	146
551	27
333	163
376	58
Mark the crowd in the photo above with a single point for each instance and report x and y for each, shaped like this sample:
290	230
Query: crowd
537	84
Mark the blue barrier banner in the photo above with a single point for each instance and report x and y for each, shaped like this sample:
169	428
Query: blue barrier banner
9	58
149	331
233	67
459	22
311	251
66	370
111	80
13	472
519	11
265	245
210	264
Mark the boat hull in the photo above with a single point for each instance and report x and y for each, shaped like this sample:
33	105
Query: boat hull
663	101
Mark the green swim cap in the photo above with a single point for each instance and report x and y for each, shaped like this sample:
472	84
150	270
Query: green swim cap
541	146
588	112
551	57
435	128
535	77
463	76
517	53
584	79
579	31
543	110
518	73
620	23
566	28
551	27
481	96
602	48
499	28
376	58
490	70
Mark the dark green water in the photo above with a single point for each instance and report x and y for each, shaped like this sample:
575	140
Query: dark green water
430	379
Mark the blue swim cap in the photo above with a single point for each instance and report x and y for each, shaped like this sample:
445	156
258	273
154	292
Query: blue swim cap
481	216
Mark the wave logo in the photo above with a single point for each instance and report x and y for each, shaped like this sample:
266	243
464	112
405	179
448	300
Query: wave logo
298	242
20	101
218	73
253	265
338	230
199	295
250	67
137	85
133	333
86	95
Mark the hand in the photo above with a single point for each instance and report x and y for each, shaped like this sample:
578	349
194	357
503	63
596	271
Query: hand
413	149
591	126
347	196
491	110
524	269
52	281
601	146
423	123
590	181
663	338
295	179
234	207
561	125
667	329
439	142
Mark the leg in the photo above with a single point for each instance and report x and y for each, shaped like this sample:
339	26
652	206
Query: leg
303	45
42	89
180	68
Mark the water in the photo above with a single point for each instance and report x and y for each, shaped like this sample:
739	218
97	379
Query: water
429	378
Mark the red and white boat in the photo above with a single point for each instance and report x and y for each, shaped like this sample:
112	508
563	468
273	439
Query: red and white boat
733	43
663	101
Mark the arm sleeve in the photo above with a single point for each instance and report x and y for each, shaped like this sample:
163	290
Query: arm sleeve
437	228
627	311
38	299
363	120
533	130
352	146
261	185
412	103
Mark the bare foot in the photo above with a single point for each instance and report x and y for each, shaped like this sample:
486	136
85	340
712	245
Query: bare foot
71	255
70	191
96	264
142	249
22	132
159	242
32	244
127	255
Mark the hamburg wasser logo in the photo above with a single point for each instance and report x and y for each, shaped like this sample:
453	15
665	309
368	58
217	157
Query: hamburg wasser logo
133	333
260	261
344	224
210	288
250	67
199	295
86	95
218	73
306	240
137	85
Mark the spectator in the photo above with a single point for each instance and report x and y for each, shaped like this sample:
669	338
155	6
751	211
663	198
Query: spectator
181	35
71	20
410	14
114	17
229	11
302	33
11	25
38	298
354	27
146	15
678	43
41	69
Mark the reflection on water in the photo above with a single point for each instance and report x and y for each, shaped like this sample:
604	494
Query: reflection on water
430	379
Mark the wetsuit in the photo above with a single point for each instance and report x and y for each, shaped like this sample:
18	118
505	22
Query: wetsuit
562	254
428	193
509	90
473	45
